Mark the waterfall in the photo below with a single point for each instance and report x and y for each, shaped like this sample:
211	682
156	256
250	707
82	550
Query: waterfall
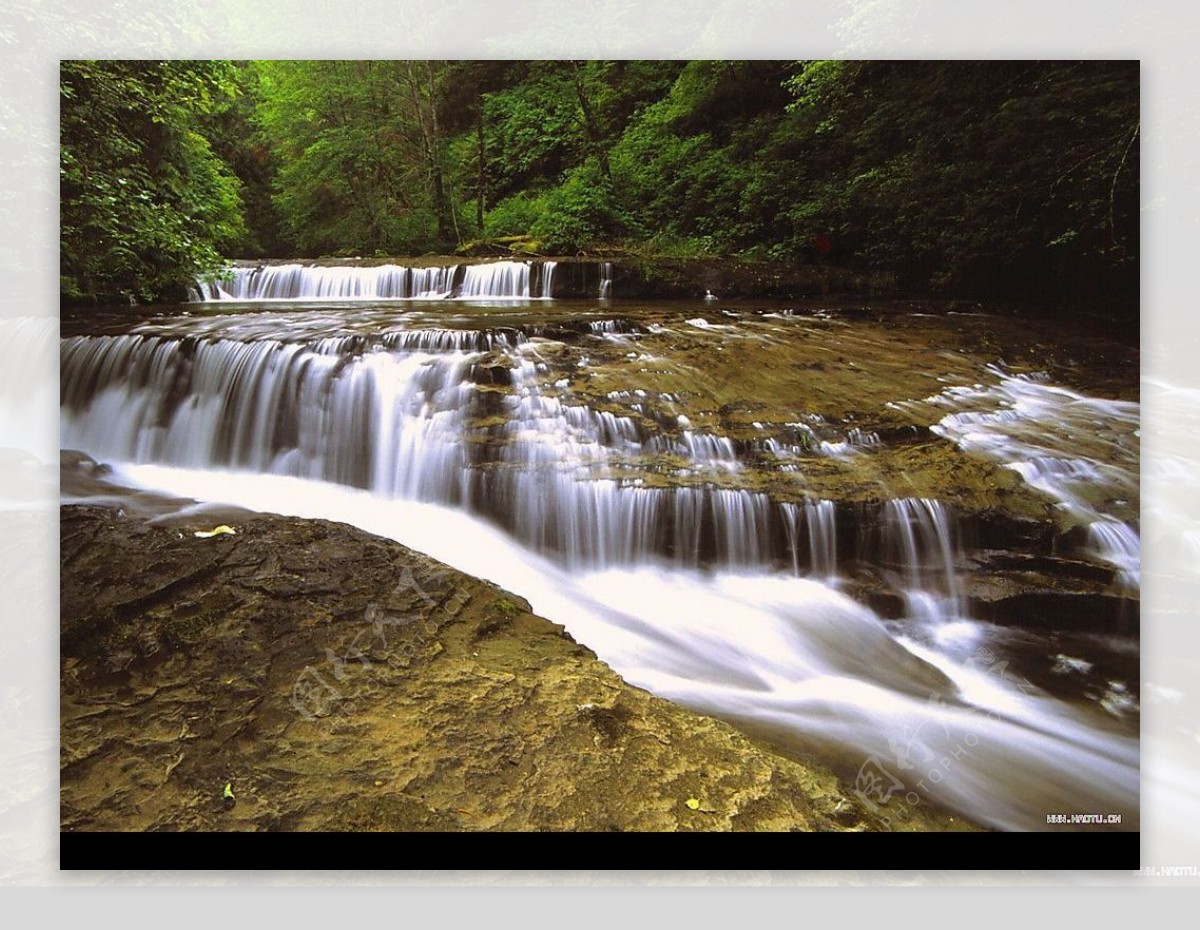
716	451
315	282
819	531
430	282
672	582
606	271
819	516
462	417
405	417
548	279
294	281
496	279
451	340
918	538
1117	543
1081	451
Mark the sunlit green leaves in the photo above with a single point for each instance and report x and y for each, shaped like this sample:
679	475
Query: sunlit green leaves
146	205
355	146
964	177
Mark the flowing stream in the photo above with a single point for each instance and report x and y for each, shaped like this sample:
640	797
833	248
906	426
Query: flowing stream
296	281
712	553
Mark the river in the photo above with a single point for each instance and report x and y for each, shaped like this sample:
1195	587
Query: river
900	541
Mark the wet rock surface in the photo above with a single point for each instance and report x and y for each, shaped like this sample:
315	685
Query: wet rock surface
968	475
304	675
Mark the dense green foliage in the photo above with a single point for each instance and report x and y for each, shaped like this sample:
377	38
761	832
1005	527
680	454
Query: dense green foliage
361	156
146	204
971	178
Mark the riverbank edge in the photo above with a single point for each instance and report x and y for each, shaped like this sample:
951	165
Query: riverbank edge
306	675
652	277
631	276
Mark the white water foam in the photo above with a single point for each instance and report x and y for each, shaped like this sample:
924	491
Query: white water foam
787	657
505	280
1081	451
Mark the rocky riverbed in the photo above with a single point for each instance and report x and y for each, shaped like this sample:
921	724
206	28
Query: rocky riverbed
305	675
880	535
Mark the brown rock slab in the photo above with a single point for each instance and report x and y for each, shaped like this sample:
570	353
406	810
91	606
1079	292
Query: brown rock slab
337	681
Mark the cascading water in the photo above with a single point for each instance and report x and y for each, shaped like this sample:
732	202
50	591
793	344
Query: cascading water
293	281
686	586
814	523
496	279
606	271
1117	543
917	538
1081	451
401	419
317	282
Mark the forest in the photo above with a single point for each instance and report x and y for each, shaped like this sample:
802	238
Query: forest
990	179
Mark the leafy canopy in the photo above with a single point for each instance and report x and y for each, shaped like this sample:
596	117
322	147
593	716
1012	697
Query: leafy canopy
146	204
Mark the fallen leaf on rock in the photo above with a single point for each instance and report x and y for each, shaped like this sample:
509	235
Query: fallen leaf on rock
221	530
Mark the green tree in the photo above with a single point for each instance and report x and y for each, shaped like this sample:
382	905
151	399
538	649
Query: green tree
146	204
552	127
361	152
965	178
971	177
686	163
238	141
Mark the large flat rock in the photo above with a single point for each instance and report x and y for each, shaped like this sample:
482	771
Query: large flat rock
337	681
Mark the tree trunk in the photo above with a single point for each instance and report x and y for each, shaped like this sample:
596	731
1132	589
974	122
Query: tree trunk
441	203
589	122
430	144
481	184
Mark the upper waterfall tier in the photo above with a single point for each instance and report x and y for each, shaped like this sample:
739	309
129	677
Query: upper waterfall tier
506	280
